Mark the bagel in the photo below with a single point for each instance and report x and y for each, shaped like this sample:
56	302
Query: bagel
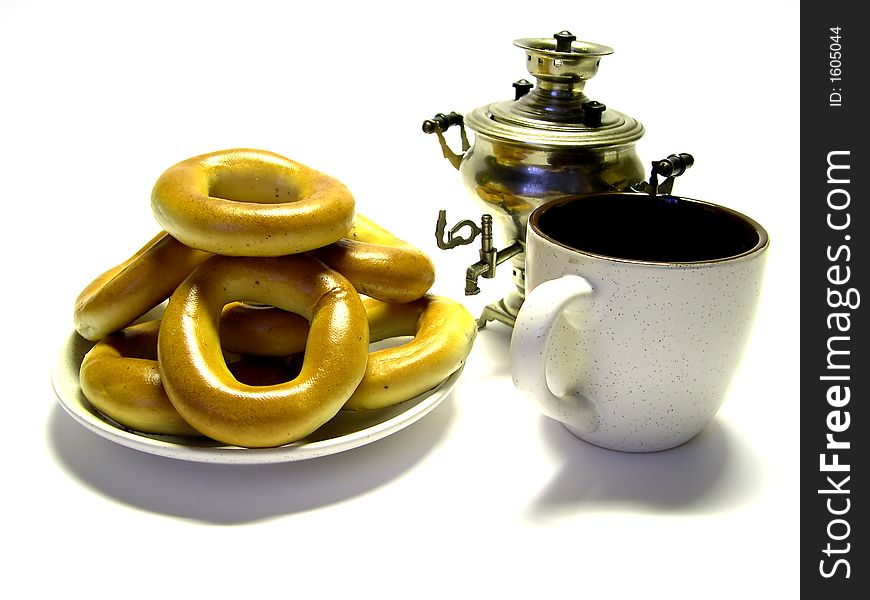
443	331
379	264
198	381
126	292
120	377
246	202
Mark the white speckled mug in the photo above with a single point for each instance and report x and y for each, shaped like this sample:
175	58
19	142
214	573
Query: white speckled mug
637	312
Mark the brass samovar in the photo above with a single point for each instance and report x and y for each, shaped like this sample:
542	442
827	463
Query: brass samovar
549	141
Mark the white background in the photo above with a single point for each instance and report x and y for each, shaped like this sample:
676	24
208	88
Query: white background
483	498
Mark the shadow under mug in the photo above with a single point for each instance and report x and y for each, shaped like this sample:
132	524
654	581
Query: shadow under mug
637	312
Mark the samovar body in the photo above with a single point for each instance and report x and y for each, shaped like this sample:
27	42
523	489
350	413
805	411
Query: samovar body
512	181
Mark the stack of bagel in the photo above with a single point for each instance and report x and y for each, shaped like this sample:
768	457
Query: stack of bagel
276	286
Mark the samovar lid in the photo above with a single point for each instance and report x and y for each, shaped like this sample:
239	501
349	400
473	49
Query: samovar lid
555	112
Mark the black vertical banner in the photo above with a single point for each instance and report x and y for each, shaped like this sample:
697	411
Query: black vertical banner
835	301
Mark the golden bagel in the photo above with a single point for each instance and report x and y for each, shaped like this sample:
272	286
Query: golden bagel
120	377
443	331
196	377
379	264
126	292
247	202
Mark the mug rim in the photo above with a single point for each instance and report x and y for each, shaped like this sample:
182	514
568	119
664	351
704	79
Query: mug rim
761	245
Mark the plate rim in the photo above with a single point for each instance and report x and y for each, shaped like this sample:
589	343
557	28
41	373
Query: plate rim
90	419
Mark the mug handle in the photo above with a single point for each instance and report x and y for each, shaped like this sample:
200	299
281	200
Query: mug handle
528	353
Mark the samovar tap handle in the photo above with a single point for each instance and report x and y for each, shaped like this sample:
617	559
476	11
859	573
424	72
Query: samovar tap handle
451	239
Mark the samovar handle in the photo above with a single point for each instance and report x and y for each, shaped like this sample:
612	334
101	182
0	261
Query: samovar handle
438	125
670	168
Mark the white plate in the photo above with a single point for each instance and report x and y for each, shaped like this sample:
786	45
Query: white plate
345	431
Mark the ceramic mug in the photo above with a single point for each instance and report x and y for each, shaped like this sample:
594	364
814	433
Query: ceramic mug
637	311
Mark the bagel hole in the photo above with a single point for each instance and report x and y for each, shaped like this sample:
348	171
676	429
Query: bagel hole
255	328
257	188
263	370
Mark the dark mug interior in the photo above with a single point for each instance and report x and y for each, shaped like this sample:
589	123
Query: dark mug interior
640	227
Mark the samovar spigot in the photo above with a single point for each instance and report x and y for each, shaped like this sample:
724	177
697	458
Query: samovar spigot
485	267
490	257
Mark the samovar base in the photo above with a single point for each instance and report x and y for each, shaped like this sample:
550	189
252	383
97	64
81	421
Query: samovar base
497	311
504	311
